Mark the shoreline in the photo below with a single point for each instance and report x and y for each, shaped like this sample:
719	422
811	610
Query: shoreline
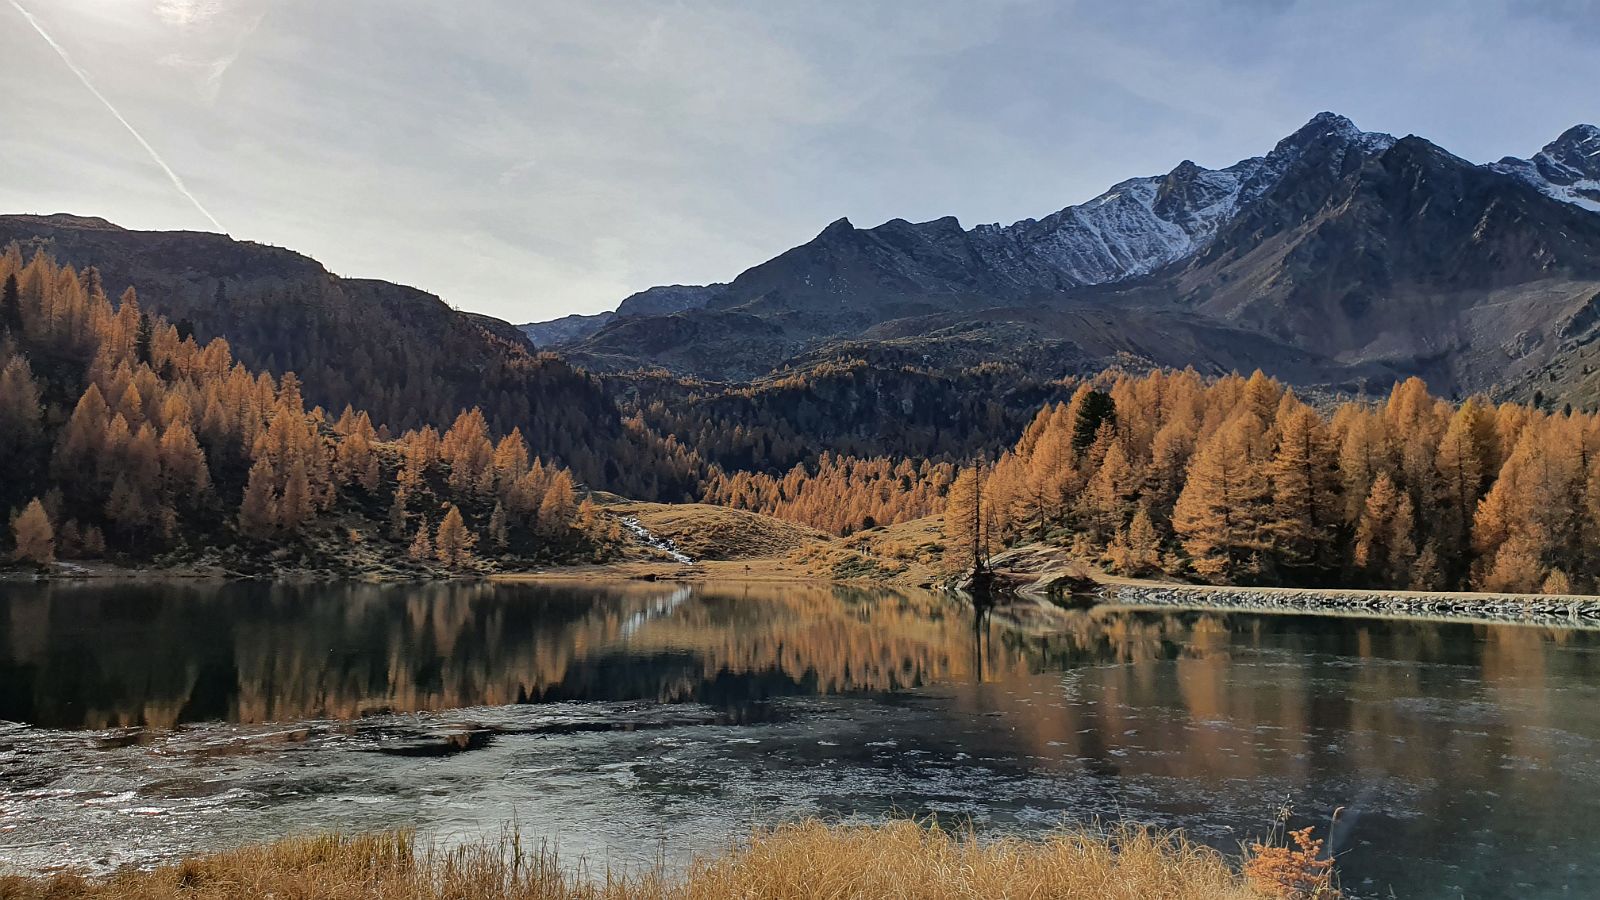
1563	611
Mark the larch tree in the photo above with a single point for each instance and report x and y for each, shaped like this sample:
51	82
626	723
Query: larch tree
1459	465
184	474
1374	526
1556	583
1306	503
82	443
467	448
1222	510
1529	518
355	460
20	415
452	545
557	506
258	511
421	548
1261	396
1363	454
510	460
590	521
1170	451
1417	422
966	535
34	537
296	506
1051	478
1137	549
1517	566
499	533
1108	498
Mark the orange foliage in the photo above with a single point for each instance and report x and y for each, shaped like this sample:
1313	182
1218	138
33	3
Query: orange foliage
1300	872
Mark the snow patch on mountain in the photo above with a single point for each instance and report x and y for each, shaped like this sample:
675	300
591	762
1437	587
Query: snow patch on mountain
1143	224
1567	169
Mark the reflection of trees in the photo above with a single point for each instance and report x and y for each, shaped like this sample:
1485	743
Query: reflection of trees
104	655
1227	696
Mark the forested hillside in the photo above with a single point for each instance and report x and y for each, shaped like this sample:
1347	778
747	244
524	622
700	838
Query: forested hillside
846	406
1239	481
401	355
127	435
122	437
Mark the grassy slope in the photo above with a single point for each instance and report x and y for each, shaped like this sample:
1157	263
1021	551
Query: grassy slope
736	544
718	533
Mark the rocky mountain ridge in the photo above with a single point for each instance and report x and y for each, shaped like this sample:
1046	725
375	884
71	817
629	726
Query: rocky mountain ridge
1351	256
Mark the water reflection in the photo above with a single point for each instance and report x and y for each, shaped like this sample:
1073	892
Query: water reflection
104	656
1467	754
94	657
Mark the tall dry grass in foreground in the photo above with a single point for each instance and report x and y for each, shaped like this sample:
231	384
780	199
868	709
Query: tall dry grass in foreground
805	860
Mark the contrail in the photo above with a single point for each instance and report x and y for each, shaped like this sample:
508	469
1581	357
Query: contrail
84	77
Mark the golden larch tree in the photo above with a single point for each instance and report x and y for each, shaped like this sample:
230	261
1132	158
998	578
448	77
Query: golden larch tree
966	533
421	548
453	543
1306	503
1222	510
258	511
33	535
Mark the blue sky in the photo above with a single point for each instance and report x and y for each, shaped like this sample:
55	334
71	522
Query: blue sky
528	159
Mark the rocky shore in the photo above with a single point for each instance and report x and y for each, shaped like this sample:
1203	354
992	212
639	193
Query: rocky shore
1533	609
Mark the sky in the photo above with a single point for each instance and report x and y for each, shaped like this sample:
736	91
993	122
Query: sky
529	159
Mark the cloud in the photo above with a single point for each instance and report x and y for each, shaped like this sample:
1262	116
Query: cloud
206	73
207	54
517	171
187	12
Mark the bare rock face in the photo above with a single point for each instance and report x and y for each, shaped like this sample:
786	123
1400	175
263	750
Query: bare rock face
656	301
564	330
662	301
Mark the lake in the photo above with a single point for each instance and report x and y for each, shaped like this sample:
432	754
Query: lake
634	721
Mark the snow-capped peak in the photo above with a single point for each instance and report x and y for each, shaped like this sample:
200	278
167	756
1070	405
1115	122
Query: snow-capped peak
1142	224
1567	169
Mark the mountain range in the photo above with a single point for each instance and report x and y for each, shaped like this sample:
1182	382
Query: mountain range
1339	262
1340	259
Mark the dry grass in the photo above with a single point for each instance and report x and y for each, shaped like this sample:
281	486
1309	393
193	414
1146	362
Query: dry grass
905	553
805	860
708	532
906	859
